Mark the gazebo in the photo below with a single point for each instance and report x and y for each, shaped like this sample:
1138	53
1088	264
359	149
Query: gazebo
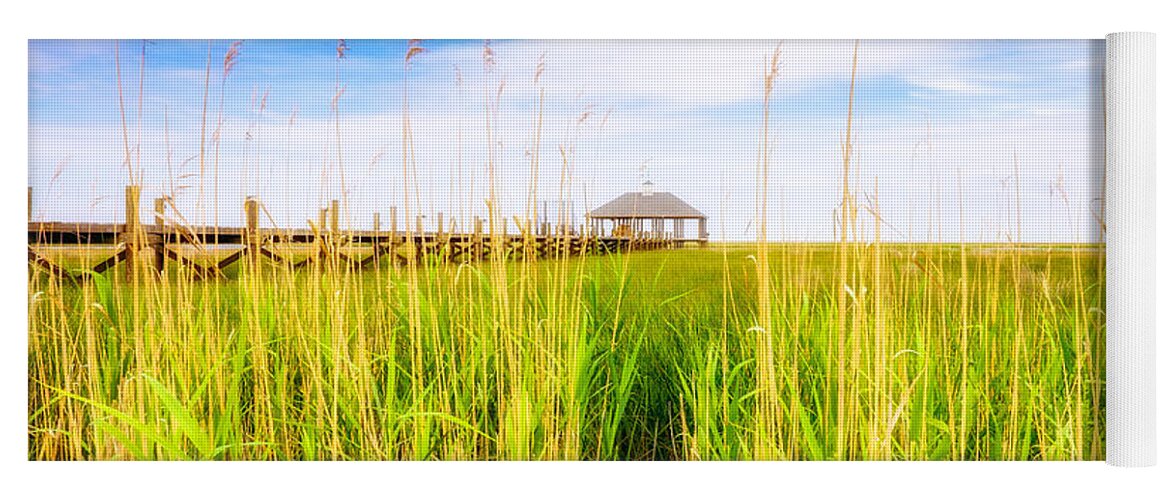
645	214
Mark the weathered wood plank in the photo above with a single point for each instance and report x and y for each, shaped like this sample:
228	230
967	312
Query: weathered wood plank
45	264
118	256
200	271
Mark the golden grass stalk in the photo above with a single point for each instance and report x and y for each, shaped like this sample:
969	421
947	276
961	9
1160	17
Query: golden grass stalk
766	445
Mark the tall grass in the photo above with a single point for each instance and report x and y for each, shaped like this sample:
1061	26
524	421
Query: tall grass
859	349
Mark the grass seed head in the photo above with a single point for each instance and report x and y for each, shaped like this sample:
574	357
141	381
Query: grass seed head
414	48
231	56
540	68
489	56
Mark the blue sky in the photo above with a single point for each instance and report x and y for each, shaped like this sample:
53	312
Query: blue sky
932	119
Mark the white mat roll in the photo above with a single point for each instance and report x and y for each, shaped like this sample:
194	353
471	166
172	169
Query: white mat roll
1130	249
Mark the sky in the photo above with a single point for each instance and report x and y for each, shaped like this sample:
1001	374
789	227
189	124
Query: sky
944	133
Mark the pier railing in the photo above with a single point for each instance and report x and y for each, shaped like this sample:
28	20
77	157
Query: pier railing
323	243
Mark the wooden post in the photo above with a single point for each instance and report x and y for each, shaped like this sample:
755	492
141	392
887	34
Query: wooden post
132	219
377	238
478	239
703	232
528	237
418	243
319	238
393	226
251	213
333	217
393	247
158	241
334	240
251	235
133	231
442	246
160	210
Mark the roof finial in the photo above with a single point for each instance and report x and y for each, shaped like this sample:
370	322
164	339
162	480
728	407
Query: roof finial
648	187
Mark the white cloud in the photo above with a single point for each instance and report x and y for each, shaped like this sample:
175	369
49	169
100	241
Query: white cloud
956	85
684	72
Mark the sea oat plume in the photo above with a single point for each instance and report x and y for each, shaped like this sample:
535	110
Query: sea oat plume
489	56
773	67
414	48
231	55
540	68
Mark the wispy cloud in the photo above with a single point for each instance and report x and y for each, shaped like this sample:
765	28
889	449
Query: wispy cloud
956	85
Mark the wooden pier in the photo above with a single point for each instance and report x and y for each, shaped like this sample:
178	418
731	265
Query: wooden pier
325	241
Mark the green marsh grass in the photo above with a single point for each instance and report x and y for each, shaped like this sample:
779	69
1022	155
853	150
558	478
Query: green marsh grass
615	357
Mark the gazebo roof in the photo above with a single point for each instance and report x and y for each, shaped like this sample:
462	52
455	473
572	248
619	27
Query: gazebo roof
653	205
